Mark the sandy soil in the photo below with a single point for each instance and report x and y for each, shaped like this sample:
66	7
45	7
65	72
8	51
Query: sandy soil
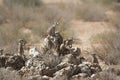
85	30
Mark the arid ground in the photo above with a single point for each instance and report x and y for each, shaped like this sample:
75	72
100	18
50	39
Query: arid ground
94	26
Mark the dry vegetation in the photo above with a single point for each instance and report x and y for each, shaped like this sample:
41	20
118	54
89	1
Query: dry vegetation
8	75
109	43
29	19
21	19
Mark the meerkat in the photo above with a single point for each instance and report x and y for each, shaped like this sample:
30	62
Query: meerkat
94	58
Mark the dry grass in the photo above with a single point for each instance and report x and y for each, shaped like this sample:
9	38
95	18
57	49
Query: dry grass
16	19
105	2
115	22
17	16
106	75
90	11
8	75
109	47
23	2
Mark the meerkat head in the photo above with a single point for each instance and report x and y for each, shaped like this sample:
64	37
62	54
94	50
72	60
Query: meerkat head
93	54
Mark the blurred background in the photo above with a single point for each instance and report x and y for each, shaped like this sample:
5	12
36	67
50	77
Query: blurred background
94	24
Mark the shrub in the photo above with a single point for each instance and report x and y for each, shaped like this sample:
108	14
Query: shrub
9	37
23	2
16	20
105	2
113	58
90	11
109	47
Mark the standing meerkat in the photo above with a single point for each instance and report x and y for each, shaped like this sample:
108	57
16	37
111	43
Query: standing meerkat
51	30
21	45
95	67
1	51
94	58
68	43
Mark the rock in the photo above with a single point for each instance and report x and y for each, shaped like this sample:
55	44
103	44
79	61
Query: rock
65	72
39	77
9	68
3	59
62	65
45	78
60	77
48	72
16	62
75	51
95	68
85	69
34	52
36	77
35	63
69	58
79	76
93	75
